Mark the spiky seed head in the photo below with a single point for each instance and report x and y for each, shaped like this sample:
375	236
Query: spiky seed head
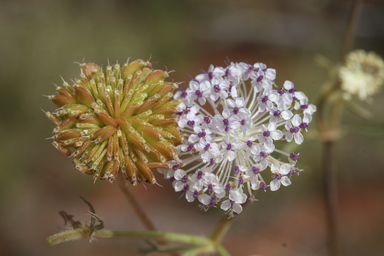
118	120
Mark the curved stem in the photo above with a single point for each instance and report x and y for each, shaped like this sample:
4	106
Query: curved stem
222	228
331	197
222	252
156	235
124	186
352	26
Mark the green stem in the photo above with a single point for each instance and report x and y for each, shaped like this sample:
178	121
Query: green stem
337	111
331	197
124	186
353	23
156	235
222	252
221	229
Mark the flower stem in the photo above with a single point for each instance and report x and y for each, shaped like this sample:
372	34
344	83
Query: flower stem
352	26
156	235
124	186
221	229
331	196
329	132
222	252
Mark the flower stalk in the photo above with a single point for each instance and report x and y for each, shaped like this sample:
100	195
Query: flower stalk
330	134
138	210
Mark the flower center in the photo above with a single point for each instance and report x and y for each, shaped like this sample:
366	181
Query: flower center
216	88
190	147
201	134
263	154
303	125
184	179
264	99
294	156
277	113
199	94
266	133
294	129
263	186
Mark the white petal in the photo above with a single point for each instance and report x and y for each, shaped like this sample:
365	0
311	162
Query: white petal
275	167
307	118
285	169
274	185
288	85
300	96
255	182
189	196
205	85
204	199
273	97
271	127
202	100
240	102
263	164
182	122
226	113
231	155
286	114
193	138
288	136
285	181
237	208
299	138
271	74
225	205
234	92
179	173
296	120
231	103
194	85
178	185
276	135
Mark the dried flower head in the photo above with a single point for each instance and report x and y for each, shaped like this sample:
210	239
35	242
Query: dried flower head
363	73
231	118
117	120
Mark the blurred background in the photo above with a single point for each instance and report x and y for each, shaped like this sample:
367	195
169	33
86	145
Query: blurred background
40	41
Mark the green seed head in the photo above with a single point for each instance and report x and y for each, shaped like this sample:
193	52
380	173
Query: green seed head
120	120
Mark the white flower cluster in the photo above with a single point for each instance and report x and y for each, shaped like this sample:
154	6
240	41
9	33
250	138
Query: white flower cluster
230	132
363	74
